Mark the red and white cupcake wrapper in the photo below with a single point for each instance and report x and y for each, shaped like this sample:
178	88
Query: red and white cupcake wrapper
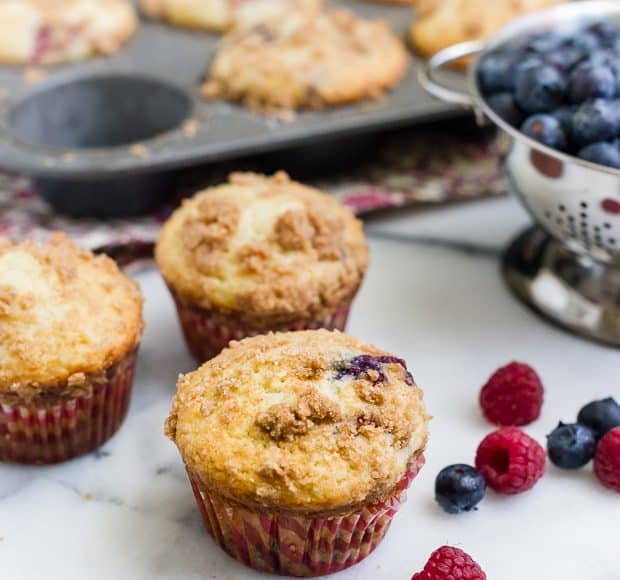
207	332
298	545
60	428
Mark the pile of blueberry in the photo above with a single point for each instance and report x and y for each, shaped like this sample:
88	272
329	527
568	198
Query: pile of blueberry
562	90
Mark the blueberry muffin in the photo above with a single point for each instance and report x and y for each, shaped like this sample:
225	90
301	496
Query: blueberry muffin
438	24
54	31
299	447
257	254
220	15
70	325
307	60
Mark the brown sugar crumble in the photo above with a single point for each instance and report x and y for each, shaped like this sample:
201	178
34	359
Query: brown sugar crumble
285	422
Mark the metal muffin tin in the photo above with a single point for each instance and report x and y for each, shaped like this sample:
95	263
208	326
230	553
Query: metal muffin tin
113	127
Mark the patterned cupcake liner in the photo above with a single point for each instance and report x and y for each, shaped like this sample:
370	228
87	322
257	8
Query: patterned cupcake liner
298	545
208	332
55	429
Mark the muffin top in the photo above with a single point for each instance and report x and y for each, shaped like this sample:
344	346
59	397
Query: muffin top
64	314
267	248
306	59
310	421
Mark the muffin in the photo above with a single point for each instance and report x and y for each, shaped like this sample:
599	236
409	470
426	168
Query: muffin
70	325
307	60
220	15
257	254
54	31
440	23
299	447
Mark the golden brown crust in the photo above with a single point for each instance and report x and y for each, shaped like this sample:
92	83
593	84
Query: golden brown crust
438	24
275	422
267	249
64	314
53	31
220	15
307	60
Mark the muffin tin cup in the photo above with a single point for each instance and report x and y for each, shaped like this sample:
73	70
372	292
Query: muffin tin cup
54	429
208	332
298	545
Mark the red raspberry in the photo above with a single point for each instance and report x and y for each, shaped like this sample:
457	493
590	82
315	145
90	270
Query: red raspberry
607	460
510	460
512	396
448	563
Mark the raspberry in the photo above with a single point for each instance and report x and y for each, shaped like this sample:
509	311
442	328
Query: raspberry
512	396
510	461
448	563
607	460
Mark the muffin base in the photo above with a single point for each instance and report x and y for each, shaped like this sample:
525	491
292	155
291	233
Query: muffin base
208	332
57	428
298	545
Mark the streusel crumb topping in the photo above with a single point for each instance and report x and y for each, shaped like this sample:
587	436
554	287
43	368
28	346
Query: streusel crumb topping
64	313
265	247
300	421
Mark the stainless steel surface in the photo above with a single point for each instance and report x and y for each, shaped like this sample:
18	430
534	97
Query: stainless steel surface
572	290
451	54
576	203
179	59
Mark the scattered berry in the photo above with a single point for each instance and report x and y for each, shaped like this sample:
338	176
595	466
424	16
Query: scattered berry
459	488
607	460
510	461
512	396
571	446
449	563
601	416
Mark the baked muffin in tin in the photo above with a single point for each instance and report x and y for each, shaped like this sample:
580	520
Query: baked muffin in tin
438	24
303	60
260	254
55	31
70	326
299	447
221	15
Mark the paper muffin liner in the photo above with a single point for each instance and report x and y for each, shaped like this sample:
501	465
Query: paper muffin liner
55	428
299	545
208	332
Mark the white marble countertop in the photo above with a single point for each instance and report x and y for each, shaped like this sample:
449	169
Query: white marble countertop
436	299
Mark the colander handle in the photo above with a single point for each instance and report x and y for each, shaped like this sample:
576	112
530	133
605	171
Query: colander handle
427	70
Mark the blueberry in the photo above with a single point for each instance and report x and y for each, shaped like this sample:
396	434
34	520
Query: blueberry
590	80
361	364
597	120
603	153
565	116
601	416
564	59
546	129
606	32
542	43
571	446
583	40
539	88
494	74
504	105
459	488
529	61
